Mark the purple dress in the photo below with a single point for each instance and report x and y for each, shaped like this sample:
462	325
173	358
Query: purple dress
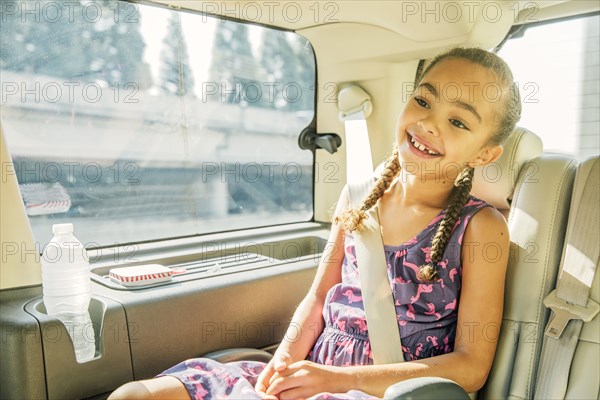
426	312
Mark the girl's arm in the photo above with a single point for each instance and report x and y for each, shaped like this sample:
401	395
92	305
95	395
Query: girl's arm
484	261
307	322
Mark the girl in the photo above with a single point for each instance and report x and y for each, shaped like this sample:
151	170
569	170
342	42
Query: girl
435	237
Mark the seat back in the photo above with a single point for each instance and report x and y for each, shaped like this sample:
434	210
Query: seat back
537	224
579	377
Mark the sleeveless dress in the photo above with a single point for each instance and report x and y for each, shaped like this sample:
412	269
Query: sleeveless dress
426	313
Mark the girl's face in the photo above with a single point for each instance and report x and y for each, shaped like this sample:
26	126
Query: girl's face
449	120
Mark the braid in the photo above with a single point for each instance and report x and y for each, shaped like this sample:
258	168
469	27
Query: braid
458	199
353	217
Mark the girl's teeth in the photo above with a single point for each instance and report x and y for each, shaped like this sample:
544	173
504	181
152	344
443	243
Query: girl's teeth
421	147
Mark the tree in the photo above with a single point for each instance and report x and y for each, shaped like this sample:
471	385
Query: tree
118	48
278	60
176	75
72	47
233	65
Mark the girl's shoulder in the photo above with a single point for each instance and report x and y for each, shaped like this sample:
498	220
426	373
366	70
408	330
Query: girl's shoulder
476	209
479	214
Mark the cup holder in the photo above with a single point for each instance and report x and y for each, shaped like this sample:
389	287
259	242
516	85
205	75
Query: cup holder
112	359
97	309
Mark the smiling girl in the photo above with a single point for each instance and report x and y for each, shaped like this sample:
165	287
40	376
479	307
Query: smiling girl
446	292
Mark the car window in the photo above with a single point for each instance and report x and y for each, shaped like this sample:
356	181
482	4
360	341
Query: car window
557	68
139	123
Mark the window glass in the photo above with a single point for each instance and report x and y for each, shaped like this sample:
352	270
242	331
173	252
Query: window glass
138	123
557	68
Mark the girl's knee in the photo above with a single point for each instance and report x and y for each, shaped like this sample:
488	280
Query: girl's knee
164	387
131	390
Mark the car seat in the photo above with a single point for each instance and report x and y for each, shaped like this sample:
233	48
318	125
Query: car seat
537	223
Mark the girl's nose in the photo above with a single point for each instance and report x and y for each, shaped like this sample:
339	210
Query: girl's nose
428	125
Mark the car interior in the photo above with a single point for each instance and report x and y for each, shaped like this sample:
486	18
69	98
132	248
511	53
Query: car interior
235	195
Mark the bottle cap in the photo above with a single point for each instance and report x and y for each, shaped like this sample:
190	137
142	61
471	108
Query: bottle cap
62	228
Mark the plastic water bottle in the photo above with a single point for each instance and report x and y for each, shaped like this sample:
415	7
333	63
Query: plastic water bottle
67	288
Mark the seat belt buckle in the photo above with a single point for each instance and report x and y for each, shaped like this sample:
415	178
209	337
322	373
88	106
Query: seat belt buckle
564	311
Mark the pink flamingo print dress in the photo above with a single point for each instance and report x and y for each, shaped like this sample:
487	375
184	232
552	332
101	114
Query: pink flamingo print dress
426	313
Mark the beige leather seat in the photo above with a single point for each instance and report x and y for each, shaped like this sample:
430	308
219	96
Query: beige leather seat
537	222
579	378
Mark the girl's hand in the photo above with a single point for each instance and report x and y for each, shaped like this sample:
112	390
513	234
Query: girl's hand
278	363
303	379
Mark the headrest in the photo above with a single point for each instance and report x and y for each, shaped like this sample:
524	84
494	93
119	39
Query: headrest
496	182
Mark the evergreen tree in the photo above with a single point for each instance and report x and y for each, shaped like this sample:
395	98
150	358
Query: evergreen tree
278	61
118	48
233	64
72	47
176	75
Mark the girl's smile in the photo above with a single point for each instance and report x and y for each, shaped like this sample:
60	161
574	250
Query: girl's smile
421	147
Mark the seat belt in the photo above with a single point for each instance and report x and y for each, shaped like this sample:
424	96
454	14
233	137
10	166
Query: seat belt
380	311
570	302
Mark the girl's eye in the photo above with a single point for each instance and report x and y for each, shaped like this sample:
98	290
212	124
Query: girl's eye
420	101
458	124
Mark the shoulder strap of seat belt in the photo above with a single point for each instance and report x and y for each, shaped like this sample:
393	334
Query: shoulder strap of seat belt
378	302
380	311
570	302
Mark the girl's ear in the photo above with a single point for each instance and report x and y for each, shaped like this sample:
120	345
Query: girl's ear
488	155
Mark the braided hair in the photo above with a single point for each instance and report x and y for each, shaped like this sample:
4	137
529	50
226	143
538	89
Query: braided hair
458	199
351	219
